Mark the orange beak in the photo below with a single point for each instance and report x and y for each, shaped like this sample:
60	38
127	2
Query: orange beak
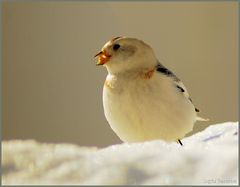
103	57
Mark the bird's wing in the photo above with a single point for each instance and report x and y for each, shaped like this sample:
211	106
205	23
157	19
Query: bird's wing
179	85
162	69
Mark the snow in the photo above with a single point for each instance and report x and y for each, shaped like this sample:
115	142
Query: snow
209	157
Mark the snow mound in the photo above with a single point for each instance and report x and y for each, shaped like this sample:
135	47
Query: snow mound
208	157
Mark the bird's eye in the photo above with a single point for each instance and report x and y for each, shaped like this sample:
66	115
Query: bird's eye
116	47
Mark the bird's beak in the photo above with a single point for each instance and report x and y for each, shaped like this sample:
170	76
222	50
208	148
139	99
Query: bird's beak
103	57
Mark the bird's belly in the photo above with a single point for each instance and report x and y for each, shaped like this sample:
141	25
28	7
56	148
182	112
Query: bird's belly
143	112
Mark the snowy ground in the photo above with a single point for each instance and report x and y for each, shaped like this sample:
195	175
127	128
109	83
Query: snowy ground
209	157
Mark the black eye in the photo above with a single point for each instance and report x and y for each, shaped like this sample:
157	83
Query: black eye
116	47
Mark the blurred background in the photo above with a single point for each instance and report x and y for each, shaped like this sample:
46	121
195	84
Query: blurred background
52	89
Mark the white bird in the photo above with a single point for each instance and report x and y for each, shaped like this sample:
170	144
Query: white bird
142	99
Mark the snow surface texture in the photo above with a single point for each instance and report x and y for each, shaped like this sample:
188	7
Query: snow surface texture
208	157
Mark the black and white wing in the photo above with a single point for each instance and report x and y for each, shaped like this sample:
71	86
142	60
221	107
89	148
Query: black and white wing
178	83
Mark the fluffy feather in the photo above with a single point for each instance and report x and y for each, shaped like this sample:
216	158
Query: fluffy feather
142	99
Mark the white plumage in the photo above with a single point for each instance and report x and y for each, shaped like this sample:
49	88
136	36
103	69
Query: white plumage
142	99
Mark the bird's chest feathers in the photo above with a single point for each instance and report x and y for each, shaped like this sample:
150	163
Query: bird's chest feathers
135	101
126	81
133	88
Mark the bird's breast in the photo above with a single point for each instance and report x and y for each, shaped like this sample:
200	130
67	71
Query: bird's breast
141	109
127	82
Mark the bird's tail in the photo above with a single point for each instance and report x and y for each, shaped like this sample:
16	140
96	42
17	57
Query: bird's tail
202	119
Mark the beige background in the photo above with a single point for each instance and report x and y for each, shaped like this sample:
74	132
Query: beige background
52	88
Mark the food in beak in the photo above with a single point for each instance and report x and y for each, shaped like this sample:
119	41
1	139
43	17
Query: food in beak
103	57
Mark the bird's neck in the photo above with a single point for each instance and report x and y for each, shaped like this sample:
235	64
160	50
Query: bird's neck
141	73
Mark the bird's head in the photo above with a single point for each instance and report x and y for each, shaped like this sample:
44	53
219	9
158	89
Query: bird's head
126	54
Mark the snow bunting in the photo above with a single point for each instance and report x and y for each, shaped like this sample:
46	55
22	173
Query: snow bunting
142	99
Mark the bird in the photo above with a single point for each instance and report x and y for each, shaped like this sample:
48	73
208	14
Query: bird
142	99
